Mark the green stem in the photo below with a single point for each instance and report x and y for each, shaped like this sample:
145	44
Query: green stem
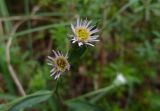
56	93
106	89
38	29
57	85
21	33
27	12
4	12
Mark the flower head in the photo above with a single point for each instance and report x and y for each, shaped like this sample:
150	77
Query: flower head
60	64
84	33
120	79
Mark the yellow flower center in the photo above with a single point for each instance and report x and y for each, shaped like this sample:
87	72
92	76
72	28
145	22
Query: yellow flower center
61	63
82	34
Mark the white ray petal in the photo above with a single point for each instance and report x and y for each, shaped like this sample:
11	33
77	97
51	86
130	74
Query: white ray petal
68	67
52	70
57	76
94	31
89	22
55	53
81	23
70	35
73	41
94	40
91	27
78	22
53	73
59	53
50	64
50	58
89	44
73	29
80	43
94	36
84	23
66	56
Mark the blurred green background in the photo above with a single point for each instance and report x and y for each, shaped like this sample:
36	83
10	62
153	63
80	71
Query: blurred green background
129	44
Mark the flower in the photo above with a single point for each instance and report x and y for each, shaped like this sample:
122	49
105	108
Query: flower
120	79
84	33
60	64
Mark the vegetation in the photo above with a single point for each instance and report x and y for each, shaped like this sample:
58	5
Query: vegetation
129	45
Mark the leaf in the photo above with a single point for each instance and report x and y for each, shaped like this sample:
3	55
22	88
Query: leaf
154	100
7	97
76	52
59	36
82	106
27	101
4	107
4	70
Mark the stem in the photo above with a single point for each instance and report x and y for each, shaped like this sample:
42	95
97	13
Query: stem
57	85
106	89
10	68
41	16
8	47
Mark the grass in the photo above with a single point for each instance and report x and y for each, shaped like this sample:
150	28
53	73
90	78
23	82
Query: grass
129	44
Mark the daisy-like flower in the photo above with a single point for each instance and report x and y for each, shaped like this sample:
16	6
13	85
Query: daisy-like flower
59	63
120	79
84	33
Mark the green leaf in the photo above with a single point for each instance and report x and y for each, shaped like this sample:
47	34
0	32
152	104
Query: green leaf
27	101
82	106
4	107
7	96
76	52
59	36
154	100
4	12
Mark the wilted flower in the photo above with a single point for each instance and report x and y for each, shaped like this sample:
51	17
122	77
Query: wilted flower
120	79
59	63
84	33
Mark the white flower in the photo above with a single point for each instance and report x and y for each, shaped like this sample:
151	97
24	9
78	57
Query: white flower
120	79
84	33
59	63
